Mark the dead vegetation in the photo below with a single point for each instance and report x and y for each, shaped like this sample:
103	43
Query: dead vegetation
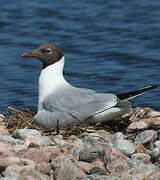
23	118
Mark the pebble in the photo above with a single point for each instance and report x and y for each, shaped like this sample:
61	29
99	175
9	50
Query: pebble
125	146
145	136
155	152
84	166
38	141
40	155
23	133
29	155
97	170
154	175
3	130
24	172
142	156
6	150
1	117
65	169
119	135
117	166
157	144
8	161
10	140
137	125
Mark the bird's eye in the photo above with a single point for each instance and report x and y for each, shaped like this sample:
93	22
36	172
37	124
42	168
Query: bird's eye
48	51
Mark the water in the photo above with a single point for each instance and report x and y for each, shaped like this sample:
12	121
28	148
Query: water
110	46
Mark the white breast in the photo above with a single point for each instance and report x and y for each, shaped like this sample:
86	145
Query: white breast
51	78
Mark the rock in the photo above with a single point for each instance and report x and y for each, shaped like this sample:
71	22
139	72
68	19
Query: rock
25	173
84	166
139	113
1	118
88	156
23	133
44	168
75	151
6	150
145	136
142	156
144	123
137	125
37	141
101	177
115	154
154	175
72	138
118	166
10	140
155	152
157	144
94	149
59	141
40	155
153	114
5	162
18	148
65	169
125	146
9	178
97	170
3	130
119	135
98	164
142	170
99	136
135	162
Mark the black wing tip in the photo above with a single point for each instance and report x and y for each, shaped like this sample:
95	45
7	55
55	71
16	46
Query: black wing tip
135	93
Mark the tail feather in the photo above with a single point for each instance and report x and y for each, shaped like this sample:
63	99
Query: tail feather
132	94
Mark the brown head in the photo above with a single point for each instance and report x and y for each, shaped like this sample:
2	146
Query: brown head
48	53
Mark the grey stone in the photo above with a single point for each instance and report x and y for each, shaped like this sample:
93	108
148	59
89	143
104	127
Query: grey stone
135	162
89	157
119	135
9	178
141	156
72	138
100	177
97	170
23	133
155	152
143	170
157	144
65	169
10	140
145	137
101	137
125	146
22	172
47	141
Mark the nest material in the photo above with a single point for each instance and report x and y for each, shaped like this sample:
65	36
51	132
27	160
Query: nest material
23	118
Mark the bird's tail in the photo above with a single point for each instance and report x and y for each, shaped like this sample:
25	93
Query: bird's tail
132	94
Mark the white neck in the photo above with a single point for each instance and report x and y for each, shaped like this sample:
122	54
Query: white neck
51	78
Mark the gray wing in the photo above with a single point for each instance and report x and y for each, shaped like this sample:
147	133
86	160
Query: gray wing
78	103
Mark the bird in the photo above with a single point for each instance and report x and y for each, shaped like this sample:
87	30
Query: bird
60	102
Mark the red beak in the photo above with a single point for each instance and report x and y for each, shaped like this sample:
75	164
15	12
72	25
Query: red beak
29	54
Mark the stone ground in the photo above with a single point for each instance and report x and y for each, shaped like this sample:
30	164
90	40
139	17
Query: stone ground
126	149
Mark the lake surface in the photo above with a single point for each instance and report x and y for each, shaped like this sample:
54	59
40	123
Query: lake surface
110	46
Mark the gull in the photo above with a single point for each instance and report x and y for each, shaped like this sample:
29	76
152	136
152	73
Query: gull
61	102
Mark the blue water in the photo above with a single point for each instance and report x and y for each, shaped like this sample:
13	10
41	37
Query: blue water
110	46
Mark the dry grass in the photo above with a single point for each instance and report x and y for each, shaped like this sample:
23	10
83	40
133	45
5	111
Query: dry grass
23	118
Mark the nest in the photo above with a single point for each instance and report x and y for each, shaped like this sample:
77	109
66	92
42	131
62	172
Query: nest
23	118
